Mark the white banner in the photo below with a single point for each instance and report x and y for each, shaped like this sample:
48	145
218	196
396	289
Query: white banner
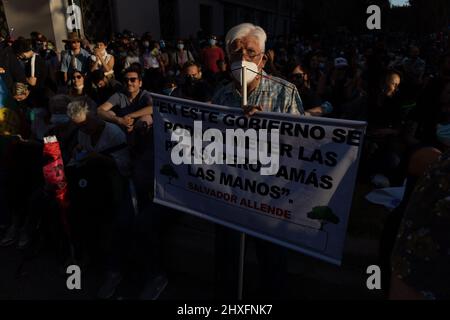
304	205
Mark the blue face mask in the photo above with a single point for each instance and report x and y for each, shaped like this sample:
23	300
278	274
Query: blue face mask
443	134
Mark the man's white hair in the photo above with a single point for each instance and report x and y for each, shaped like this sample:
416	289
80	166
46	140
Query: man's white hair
245	30
77	109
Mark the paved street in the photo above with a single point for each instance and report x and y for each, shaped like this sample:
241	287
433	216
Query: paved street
188	251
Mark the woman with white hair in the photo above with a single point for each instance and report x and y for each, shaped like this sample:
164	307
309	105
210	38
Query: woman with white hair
98	137
101	198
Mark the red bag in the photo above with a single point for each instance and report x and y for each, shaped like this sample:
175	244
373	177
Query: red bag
55	177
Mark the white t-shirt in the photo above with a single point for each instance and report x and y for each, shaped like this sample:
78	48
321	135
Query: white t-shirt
98	64
112	136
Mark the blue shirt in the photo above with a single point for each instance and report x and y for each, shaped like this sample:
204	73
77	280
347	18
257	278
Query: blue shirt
273	95
80	62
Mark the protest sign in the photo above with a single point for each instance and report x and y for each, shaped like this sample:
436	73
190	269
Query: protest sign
300	200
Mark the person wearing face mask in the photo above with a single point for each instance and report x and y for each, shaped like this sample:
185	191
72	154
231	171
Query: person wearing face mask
102	60
169	86
151	60
419	159
10	67
180	57
34	66
245	45
211	54
165	58
132	55
312	103
35	69
81	91
193	86
47	52
103	206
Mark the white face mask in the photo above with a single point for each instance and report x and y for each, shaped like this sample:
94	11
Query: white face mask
251	72
181	46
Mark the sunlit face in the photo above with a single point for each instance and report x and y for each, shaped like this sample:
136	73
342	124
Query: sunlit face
100	46
22	97
132	82
393	82
193	72
101	84
75	45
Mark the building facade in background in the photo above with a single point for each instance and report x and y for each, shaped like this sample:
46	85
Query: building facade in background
168	19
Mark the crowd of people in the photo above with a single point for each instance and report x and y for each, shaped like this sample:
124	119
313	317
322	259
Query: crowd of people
95	98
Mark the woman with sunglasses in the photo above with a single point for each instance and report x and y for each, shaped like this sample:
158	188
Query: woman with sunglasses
78	90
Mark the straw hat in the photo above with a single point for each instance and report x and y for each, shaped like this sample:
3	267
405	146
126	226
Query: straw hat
73	37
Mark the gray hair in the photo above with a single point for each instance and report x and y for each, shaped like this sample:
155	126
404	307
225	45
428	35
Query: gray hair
244	30
76	109
20	89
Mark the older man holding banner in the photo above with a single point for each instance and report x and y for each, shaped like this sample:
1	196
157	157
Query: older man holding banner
254	91
301	202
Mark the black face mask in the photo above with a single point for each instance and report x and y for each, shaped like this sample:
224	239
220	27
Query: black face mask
191	81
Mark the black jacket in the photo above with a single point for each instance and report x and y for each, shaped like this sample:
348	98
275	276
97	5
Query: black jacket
12	66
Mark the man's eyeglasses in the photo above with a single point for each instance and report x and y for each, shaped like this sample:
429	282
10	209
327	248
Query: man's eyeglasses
249	55
132	80
77	77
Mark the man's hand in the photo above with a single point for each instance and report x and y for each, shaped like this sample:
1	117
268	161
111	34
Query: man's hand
125	121
32	81
250	111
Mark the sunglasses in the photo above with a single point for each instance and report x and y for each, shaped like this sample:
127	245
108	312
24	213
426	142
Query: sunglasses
132	80
77	77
